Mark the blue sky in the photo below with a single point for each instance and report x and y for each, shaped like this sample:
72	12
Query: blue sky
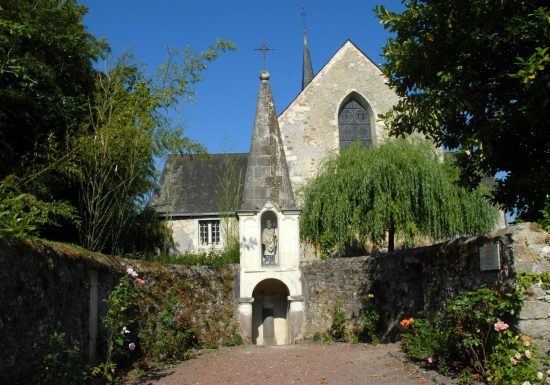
223	113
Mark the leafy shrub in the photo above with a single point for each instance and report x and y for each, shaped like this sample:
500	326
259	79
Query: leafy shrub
425	341
370	320
22	215
474	336
168	335
317	336
63	364
212	258
338	329
544	221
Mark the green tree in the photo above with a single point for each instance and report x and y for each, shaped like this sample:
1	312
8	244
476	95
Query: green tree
474	76
22	215
46	78
401	188
130	126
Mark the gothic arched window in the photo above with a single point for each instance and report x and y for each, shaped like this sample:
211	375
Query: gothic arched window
354	123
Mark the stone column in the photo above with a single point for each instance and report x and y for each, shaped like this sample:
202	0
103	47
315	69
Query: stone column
295	318
245	318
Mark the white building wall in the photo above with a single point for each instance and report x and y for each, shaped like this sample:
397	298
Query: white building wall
185	233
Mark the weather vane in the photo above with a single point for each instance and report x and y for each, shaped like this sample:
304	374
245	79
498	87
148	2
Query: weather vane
264	50
303	14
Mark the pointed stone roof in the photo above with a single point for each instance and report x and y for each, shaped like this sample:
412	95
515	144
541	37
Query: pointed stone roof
307	68
266	172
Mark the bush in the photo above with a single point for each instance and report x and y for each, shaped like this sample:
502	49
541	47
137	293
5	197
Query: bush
474	336
338	330
22	215
63	364
212	258
370	320
168	335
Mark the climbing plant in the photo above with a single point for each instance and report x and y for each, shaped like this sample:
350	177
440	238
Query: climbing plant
401	188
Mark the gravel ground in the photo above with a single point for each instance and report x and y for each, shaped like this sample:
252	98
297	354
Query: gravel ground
305	363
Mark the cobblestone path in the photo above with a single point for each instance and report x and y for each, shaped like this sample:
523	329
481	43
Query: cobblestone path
305	363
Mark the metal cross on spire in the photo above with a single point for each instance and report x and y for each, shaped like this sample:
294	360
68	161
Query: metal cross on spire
264	50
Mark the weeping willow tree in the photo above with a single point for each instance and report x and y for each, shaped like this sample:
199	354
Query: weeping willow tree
399	190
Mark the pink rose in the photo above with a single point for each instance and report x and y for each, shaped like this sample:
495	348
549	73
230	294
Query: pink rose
513	361
430	360
501	326
131	346
528	354
139	282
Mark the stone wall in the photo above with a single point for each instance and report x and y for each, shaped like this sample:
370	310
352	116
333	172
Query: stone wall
47	288
405	283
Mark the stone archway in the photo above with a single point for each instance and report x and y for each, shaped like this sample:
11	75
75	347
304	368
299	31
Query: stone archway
269	313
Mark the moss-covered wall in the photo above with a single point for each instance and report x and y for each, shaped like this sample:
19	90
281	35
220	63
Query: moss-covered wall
45	288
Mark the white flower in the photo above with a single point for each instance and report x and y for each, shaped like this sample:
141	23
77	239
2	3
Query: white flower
526	383
517	356
125	330
528	354
540	376
132	272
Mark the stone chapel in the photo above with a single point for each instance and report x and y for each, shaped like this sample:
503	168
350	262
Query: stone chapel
337	106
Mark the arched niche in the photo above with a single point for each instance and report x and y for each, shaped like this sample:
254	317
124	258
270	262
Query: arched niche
269	313
355	121
269	239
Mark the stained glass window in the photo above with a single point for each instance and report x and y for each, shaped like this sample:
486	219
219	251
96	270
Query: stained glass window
354	124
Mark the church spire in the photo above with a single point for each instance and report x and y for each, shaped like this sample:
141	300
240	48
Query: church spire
267	176
307	68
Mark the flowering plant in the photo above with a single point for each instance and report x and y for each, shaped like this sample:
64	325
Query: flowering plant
474	337
406	322
121	323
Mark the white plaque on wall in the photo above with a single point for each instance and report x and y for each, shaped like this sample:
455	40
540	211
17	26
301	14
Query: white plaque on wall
489	257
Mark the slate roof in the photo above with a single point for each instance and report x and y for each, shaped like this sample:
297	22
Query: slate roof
193	186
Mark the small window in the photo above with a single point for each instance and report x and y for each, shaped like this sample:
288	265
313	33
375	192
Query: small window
215	232
209	232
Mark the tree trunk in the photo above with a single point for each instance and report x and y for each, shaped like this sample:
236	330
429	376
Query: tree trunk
391	237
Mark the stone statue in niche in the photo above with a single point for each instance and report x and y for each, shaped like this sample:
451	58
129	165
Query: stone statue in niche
269	240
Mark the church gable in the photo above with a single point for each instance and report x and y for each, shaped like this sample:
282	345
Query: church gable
314	125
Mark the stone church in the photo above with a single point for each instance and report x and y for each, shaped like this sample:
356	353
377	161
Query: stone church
337	106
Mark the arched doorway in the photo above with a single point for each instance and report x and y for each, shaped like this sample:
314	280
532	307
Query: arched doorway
269	313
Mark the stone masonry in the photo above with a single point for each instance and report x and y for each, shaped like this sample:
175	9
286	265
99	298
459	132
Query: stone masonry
309	125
